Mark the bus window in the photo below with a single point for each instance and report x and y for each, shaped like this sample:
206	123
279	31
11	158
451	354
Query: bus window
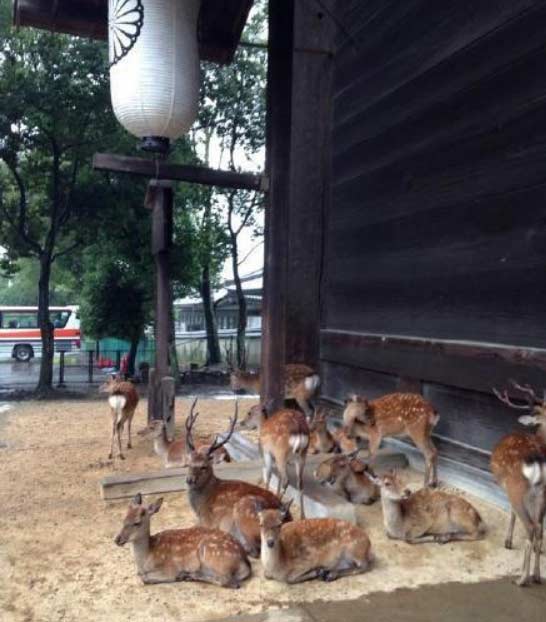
19	319
59	318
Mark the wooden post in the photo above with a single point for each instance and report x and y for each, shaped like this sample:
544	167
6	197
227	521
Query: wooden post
159	198
279	108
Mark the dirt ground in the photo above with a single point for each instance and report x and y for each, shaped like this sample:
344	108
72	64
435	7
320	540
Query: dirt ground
58	561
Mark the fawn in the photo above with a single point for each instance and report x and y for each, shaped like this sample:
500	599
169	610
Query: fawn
306	549
173	452
349	477
321	441
518	463
426	515
284	438
230	505
395	414
301	383
123	400
194	554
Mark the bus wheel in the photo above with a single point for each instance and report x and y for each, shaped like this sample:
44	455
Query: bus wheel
22	353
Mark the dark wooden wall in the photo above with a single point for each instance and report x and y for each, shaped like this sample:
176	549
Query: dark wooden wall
437	227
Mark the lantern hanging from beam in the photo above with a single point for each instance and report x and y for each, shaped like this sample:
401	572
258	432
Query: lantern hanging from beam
154	67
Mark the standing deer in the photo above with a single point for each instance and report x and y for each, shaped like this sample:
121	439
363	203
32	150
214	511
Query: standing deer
395	414
321	441
123	400
194	554
518	463
173	453
349	477
230	505
426	515
301	383
325	548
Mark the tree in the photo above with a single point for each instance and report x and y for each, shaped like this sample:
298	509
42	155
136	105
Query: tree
54	107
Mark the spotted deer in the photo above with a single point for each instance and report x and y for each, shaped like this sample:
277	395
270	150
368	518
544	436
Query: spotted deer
426	515
349	477
173	452
123	400
301	384
395	414
230	505
518	463
194	554
321	440
325	548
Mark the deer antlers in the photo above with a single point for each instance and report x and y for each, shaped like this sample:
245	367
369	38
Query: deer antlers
189	424
216	444
528	394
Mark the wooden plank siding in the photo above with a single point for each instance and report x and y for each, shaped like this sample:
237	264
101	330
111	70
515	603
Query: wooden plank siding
436	231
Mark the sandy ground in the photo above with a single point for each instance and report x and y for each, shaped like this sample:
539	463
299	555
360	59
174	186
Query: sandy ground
58	561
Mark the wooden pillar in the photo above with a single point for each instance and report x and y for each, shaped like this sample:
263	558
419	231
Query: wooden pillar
279	109
310	163
159	199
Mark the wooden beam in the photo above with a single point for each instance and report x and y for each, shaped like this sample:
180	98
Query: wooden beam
467	365
279	120
160	170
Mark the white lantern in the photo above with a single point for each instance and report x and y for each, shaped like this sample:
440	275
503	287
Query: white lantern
154	67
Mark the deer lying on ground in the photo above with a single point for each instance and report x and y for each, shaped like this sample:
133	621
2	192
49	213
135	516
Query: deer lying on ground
349	477
284	438
123	400
396	414
301	384
173	453
518	463
426	515
323	440
194	554
230	505
325	548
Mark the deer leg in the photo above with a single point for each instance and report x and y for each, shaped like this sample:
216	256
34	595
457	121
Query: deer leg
510	532
525	569
373	445
421	539
119	430
430	454
300	464
114	421
267	469
539	532
306	409
282	484
305	576
129	420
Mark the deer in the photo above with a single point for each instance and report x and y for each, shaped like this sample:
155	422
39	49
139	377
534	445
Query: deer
173	452
426	515
325	548
193	554
230	505
395	414
123	400
321	440
301	383
518	463
349	477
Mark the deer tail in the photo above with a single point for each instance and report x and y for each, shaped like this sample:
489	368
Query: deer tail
117	404
534	469
312	382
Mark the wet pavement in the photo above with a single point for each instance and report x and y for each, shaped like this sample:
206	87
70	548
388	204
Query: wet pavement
498	601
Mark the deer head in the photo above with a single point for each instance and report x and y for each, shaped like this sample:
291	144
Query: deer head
391	486
533	404
136	524
357	410
200	461
253	418
271	522
110	384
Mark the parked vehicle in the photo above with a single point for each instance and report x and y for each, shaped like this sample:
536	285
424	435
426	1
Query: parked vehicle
20	336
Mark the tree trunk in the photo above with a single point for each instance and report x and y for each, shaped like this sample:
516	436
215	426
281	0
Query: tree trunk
241	304
132	355
214	356
45	381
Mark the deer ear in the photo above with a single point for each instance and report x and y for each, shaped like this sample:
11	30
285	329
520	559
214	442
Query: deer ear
154	507
528	420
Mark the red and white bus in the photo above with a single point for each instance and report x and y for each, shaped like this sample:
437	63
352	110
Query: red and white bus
20	335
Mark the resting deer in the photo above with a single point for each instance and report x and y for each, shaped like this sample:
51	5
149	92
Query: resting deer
173	453
426	515
395	414
194	554
231	505
123	400
349	477
325	548
518	463
301	383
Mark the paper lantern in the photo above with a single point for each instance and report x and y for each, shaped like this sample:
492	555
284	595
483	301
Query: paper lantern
154	67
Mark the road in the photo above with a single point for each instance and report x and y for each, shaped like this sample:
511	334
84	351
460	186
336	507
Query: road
15	375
